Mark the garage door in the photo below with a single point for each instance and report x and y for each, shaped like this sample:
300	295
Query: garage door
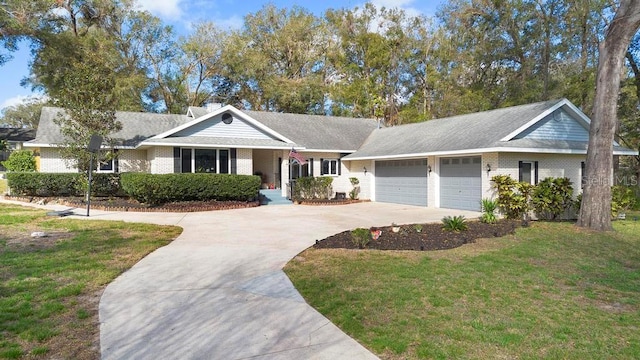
461	183
402	182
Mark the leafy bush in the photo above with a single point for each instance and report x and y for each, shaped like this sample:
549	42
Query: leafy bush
622	199
353	194
312	188
20	161
455	223
552	197
106	184
360	237
45	184
489	208
155	189
513	197
418	227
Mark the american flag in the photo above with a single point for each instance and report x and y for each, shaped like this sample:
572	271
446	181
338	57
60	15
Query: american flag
294	154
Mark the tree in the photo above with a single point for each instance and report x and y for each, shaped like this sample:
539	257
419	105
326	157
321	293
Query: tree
86	92
23	115
595	212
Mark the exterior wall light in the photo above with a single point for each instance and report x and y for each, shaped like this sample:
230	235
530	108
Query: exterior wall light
488	168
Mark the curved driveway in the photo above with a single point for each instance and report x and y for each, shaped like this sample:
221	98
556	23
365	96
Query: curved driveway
218	291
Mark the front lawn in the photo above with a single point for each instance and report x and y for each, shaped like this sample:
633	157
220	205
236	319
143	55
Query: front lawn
549	291
51	285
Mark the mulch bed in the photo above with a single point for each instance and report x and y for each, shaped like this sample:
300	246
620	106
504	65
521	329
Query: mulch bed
125	204
431	237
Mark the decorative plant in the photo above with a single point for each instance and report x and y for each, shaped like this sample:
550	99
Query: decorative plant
360	237
417	227
489	211
454	223
552	197
514	198
353	194
375	233
395	227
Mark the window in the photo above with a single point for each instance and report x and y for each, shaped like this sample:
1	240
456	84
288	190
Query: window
105	166
205	160
214	161
528	172
108	162
298	171
330	167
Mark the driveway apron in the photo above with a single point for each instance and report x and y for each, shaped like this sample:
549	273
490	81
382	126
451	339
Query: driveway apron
218	291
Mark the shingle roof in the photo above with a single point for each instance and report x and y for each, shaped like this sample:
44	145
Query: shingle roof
136	126
471	131
17	134
317	132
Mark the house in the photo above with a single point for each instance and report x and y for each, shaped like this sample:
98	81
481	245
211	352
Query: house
445	163
14	137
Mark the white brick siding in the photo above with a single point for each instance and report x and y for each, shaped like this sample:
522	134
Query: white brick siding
133	161
52	162
161	160
355	169
491	159
549	165
244	161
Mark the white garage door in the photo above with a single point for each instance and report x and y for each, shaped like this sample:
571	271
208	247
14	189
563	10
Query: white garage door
402	182
461	183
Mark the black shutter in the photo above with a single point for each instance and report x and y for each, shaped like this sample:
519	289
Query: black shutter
321	166
116	163
177	164
519	170
583	174
535	173
234	161
311	167
339	167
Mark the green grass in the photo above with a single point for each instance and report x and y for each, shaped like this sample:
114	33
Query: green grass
50	287
550	291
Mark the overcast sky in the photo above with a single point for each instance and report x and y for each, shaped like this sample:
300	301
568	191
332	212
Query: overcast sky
182	13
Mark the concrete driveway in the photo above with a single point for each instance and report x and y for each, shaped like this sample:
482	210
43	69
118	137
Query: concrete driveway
218	291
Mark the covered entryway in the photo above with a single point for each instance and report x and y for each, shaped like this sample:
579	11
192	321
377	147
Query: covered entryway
402	181
461	183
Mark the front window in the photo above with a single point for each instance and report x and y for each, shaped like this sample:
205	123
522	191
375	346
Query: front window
105	166
213	161
329	167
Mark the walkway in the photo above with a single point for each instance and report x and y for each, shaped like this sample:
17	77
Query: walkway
219	292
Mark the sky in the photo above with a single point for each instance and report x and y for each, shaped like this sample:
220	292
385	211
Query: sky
181	14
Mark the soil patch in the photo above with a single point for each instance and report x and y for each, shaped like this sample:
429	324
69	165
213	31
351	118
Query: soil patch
421	236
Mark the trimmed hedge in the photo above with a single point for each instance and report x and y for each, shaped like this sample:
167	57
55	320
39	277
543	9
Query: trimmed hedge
63	184
155	189
45	184
312	188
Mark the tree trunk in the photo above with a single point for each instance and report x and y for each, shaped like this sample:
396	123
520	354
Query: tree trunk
595	212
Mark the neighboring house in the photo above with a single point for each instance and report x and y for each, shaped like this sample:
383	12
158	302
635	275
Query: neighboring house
439	163
14	137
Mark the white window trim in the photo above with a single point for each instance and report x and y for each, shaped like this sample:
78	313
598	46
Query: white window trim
336	174
533	170
193	159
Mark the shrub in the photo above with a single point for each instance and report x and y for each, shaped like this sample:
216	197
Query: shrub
106	184
513	197
312	188
417	227
45	184
622	199
353	194
360	237
552	197
488	211
20	161
155	189
455	223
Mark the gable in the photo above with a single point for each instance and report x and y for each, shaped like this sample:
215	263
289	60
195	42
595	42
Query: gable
234	127
558	125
